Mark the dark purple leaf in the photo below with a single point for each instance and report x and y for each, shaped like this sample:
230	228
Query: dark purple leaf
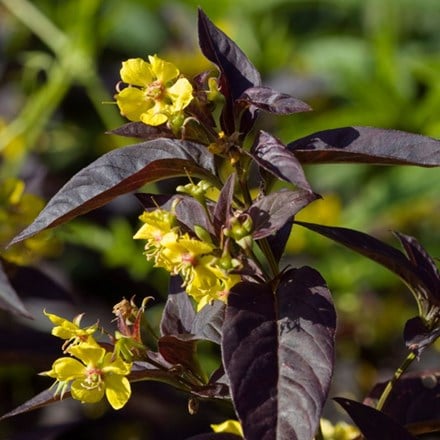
418	336
237	71
270	213
419	277
118	172
272	101
142	371
271	154
415	398
25	278
278	351
143	131
424	263
208	323
9	299
278	241
222	210
373	424
178	314
367	145
42	399
178	351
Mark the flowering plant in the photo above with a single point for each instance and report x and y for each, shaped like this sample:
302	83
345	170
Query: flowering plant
223	244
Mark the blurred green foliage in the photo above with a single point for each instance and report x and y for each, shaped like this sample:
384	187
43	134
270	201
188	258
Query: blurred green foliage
356	62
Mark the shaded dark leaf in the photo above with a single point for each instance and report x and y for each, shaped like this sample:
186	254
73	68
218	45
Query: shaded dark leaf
118	172
144	371
178	314
280	382
269	100
278	241
143	131
177	351
419	277
271	154
238	73
270	213
425	264
367	145
9	299
415	398
25	278
208	323
418	336
42	399
373	424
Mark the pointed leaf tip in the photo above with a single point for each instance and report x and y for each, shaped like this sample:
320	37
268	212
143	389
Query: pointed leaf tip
119	172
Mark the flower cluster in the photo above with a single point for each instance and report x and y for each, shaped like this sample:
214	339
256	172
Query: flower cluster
90	371
204	271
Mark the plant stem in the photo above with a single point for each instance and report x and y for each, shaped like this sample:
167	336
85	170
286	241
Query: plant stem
397	374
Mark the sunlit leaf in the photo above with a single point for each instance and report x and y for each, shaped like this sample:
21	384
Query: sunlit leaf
270	213
272	101
239	74
119	172
278	352
367	145
208	322
271	154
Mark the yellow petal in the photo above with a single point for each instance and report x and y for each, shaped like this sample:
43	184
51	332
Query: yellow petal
86	395
117	390
65	369
89	352
154	119
137	72
163	70
54	319
229	426
181	94
132	103
116	365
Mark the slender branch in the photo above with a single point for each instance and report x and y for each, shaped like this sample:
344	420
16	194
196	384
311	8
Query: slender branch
397	374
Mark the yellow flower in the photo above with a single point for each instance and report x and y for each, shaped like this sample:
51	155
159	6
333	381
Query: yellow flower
71	330
229	426
17	210
208	282
155	93
340	431
93	373
182	254
157	225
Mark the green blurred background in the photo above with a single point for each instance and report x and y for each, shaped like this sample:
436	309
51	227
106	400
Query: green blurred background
356	62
